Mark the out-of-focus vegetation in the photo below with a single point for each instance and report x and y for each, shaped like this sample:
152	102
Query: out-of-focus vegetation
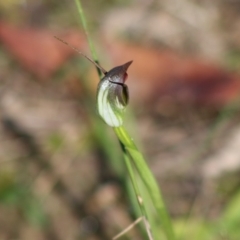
61	171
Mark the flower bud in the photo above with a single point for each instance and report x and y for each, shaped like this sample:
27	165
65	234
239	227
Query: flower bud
112	95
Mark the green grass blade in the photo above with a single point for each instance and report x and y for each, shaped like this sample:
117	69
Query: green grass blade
149	180
90	42
137	191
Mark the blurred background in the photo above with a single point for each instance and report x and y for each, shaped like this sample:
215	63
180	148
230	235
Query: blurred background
61	170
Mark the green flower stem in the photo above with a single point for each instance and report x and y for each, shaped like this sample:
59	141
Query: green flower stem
136	190
148	179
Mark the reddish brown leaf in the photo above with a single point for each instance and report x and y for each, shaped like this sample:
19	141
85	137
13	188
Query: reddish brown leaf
37	50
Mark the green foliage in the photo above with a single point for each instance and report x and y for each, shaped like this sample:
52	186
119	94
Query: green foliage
9	191
225	227
33	212
55	141
233	59
230	221
197	229
18	195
